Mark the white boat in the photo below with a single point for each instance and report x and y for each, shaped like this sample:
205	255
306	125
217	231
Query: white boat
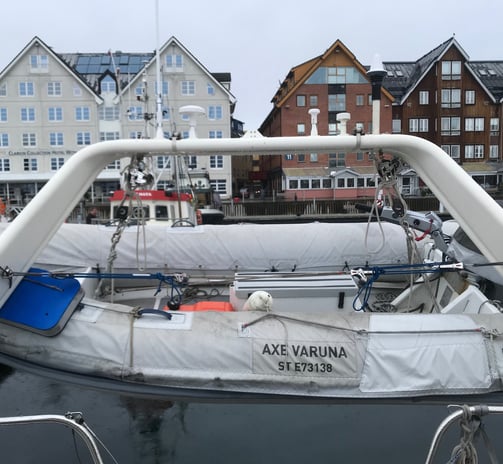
320	335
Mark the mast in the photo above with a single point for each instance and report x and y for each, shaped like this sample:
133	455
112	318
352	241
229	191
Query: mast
159	132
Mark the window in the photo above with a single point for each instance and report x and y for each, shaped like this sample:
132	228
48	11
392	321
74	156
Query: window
452	150
215	112
56	163
451	98
174	62
474	151
26	89
360	100
113	166
219	185
29	139
493	151
133	112
494	126
163	162
301	158
337	75
418	125
327	183
4	139
83	138
337	160
108	85
293	184
165	88
82	113
313	100
396	126
77	90
304	183
215	134
450	125
313	157
56	139
39	63
413	125
423	125
289	157
337	102
211	89
30	164
4	164
424	97
315	183
479	151
3	90
301	128
190	161
188	87
27	114
3	114
474	124
301	100
111	113
333	128
451	70
55	114
216	161
54	89
470	97
109	136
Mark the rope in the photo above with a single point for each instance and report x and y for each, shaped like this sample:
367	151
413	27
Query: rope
471	427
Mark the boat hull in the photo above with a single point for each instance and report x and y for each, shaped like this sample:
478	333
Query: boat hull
255	354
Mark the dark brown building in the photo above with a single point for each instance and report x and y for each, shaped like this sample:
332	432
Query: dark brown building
443	97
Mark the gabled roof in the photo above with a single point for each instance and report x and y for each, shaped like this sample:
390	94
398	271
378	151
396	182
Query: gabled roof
91	68
37	42
300	73
403	77
218	79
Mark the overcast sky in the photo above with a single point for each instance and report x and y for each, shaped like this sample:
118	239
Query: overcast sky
258	41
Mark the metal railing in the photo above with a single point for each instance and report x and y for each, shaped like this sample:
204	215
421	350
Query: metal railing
465	415
72	420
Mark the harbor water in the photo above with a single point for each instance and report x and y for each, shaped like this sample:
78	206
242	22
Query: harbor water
139	430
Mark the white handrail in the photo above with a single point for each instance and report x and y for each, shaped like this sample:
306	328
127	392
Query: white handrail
479	215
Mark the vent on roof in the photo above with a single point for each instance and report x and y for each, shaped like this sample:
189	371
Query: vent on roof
390	74
482	72
399	73
491	72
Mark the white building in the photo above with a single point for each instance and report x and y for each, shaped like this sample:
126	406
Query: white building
51	105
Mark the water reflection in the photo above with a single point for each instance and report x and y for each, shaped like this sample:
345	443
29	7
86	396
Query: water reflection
166	431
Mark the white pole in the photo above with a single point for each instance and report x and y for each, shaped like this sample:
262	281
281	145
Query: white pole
159	132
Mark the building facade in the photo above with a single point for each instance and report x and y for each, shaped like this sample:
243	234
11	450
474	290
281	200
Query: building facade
443	97
52	105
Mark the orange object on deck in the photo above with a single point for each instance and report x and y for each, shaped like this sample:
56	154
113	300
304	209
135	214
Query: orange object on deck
208	306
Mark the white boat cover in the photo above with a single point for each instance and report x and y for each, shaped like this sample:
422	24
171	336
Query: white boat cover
225	249
321	355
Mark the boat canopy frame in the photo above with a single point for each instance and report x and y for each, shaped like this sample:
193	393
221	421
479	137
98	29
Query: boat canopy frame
474	210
